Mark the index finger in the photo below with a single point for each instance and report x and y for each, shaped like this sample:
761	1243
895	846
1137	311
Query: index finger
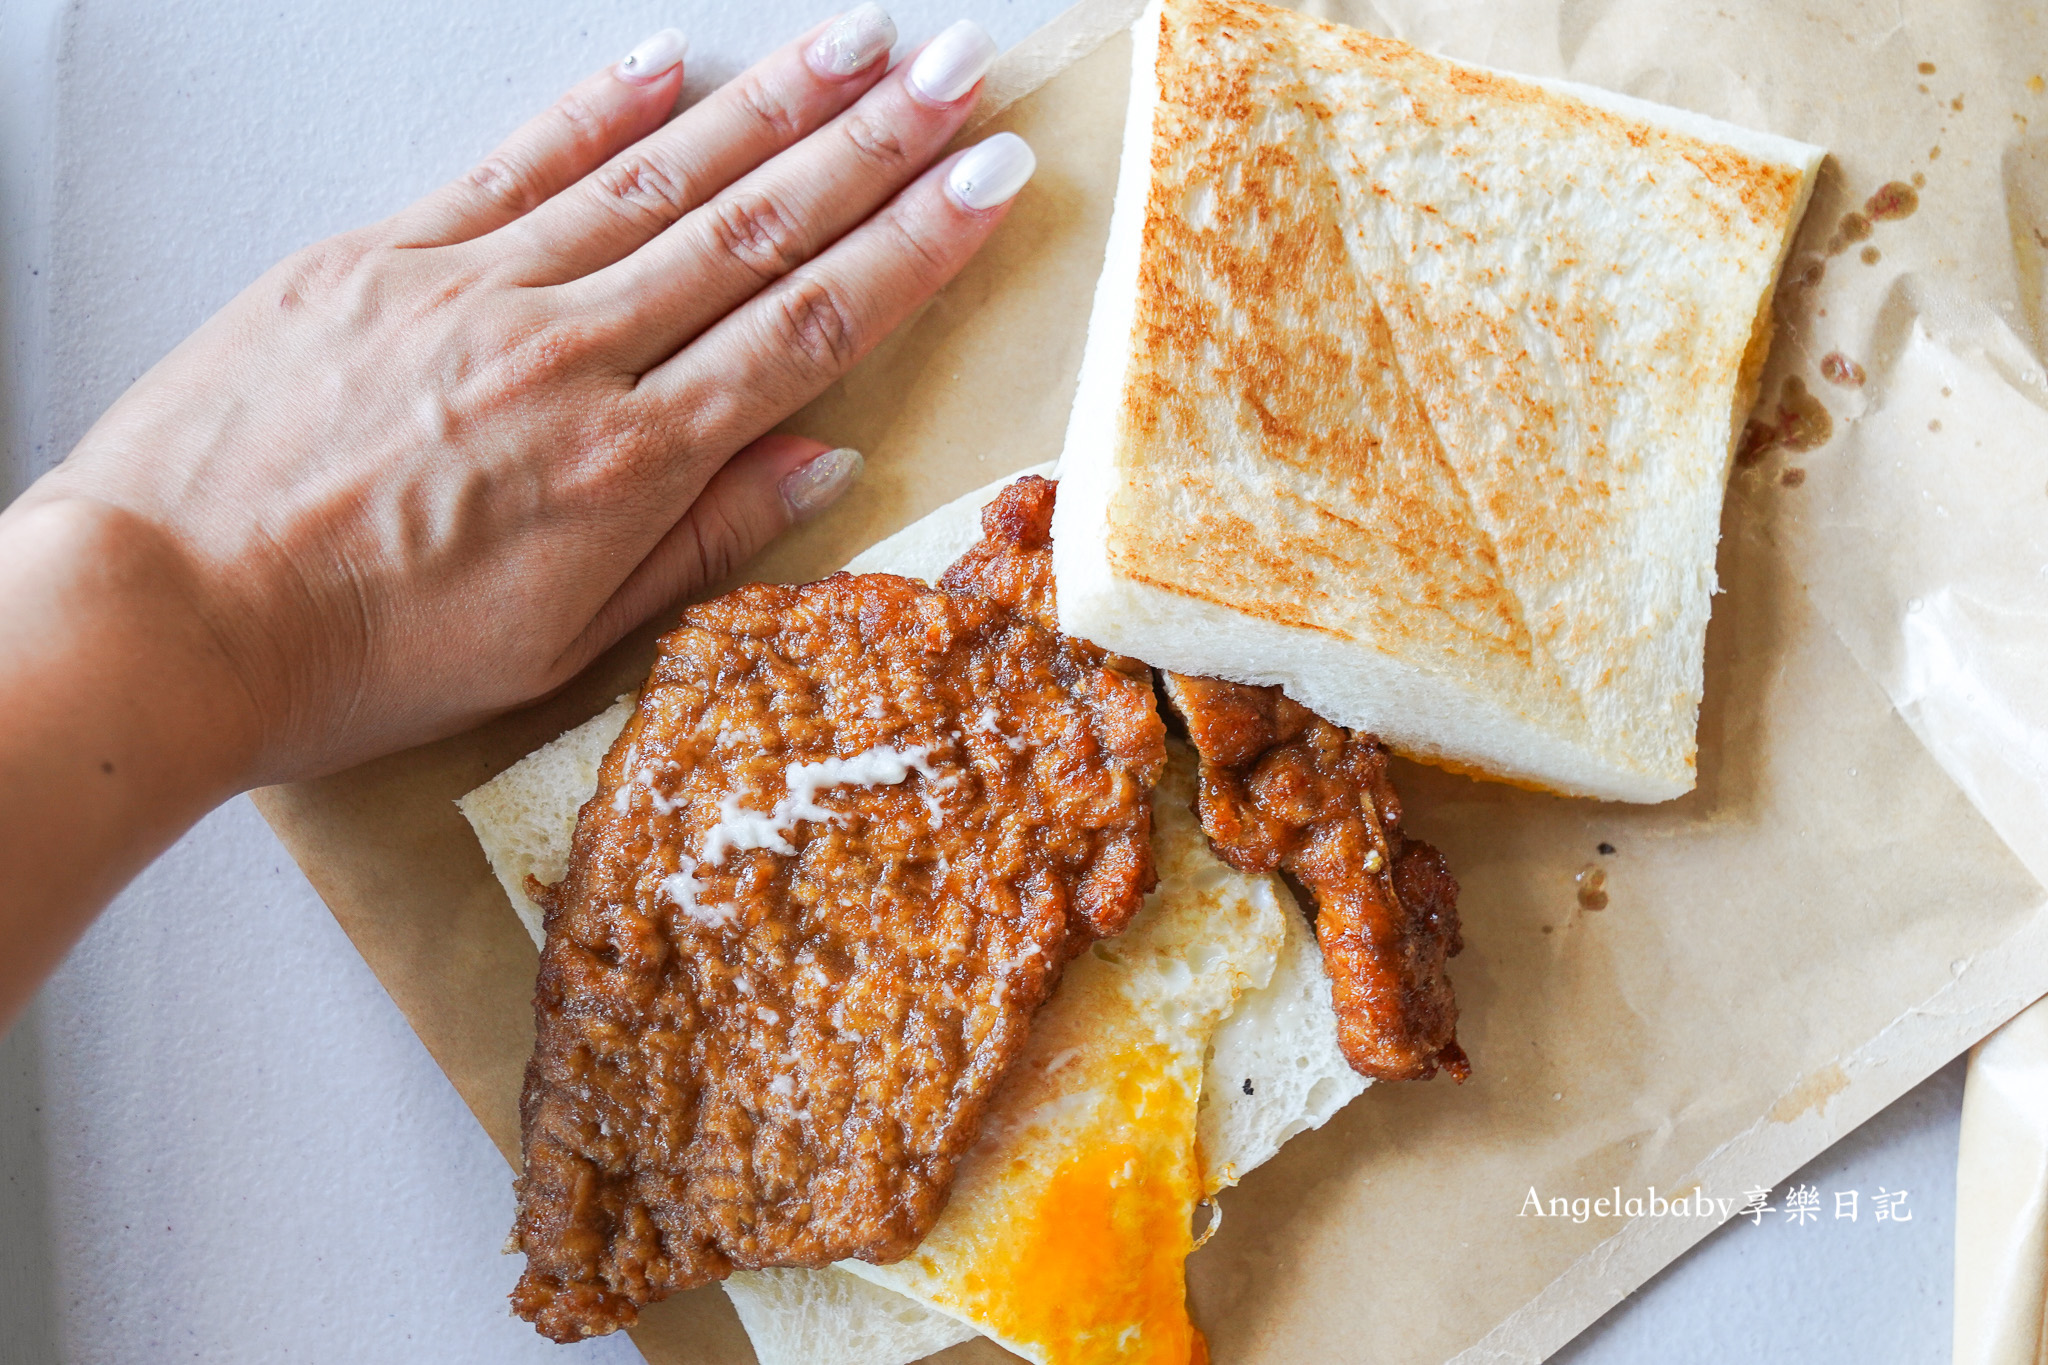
607	112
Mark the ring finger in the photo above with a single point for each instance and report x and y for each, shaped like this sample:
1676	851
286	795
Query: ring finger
728	250
780	350
637	194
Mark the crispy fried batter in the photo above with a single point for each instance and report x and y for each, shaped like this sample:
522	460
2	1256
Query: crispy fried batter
1012	564
1282	788
834	864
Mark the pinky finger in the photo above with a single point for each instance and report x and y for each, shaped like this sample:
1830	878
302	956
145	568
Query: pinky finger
766	488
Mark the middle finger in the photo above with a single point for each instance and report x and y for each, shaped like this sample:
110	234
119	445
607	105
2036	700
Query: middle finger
789	210
641	191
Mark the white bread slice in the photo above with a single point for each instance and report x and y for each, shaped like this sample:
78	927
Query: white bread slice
1274	1067
530	809
799	1317
1282	1035
1412	387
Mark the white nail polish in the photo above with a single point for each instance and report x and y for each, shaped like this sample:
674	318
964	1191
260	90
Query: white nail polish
991	172
952	63
853	42
813	487
658	56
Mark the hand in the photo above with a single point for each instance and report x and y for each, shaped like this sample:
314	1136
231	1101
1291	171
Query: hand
425	471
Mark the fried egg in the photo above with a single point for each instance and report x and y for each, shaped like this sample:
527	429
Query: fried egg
1072	1217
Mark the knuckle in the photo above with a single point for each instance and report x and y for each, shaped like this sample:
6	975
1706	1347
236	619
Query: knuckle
329	267
611	461
582	121
815	323
769	107
928	260
720	543
753	229
876	142
642	187
505	183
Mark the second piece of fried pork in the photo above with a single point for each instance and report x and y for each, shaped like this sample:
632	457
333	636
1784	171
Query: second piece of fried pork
1283	789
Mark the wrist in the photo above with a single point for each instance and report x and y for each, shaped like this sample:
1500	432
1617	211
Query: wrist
112	646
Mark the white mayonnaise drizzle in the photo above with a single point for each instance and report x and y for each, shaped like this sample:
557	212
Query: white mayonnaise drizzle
740	828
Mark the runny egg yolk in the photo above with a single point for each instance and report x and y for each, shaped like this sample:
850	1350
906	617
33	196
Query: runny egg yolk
1092	1268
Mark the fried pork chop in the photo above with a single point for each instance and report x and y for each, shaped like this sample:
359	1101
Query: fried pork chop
834	863
1012	564
1282	788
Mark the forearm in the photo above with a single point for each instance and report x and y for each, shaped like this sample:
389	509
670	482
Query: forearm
123	722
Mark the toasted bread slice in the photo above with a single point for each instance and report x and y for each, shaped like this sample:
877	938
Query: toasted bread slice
1412	387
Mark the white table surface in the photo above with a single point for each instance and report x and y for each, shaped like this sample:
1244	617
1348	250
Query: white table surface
219	1140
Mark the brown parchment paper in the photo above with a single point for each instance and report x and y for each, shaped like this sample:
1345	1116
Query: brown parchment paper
1845	902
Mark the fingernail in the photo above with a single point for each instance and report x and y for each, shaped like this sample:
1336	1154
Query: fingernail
658	56
853	42
991	172
810	489
952	62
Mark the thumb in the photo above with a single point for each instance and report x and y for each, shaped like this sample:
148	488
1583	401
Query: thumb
762	491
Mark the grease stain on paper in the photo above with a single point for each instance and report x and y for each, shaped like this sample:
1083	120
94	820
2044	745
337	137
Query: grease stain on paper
1811	1094
1853	228
1837	368
1894	199
1801	422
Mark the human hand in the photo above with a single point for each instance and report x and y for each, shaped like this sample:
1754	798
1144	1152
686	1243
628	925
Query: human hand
425	471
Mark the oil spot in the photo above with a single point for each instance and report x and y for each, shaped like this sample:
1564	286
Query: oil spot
1870	255
1837	368
1894	199
1854	227
1606	850
1792	477
1807	276
2033	85
1813	1092
1927	68
1592	884
1934	425
1956	104
1800	423
1922	87
1946	391
1919	180
1934	152
1548	930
